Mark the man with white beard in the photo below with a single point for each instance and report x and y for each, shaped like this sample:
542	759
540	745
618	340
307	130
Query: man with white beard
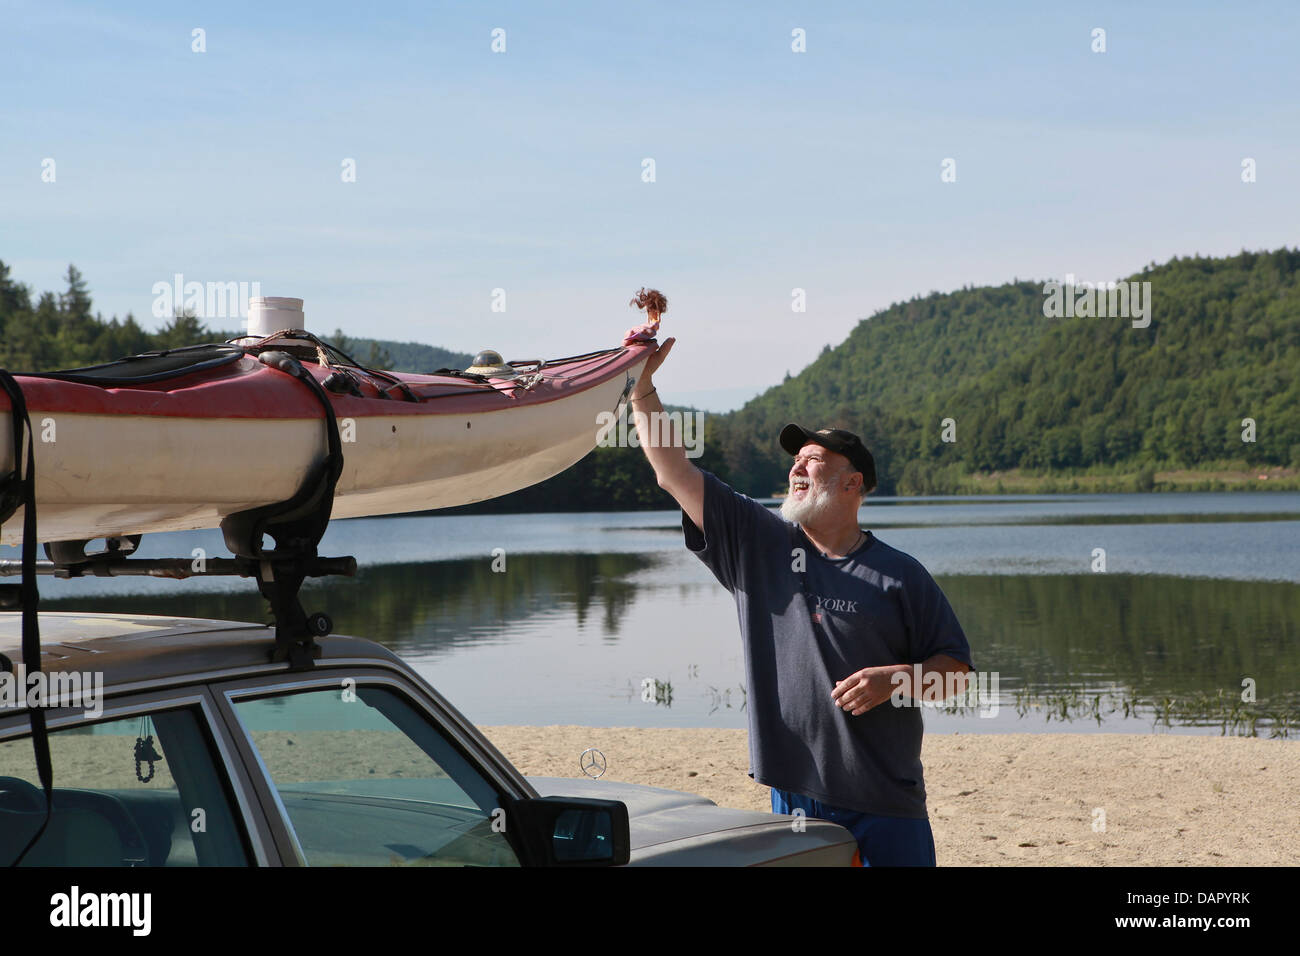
843	634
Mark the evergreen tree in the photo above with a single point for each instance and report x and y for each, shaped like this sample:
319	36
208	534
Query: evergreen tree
184	329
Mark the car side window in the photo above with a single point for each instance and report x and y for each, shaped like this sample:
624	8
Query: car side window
139	791
367	780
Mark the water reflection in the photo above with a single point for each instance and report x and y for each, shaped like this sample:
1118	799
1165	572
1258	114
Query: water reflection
426	608
651	640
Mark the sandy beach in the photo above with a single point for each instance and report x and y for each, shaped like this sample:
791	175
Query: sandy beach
1055	799
1008	799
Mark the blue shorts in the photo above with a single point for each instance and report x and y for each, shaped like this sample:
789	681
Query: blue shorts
882	841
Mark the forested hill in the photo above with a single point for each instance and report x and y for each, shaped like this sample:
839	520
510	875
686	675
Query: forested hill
403	356
414	357
1024	390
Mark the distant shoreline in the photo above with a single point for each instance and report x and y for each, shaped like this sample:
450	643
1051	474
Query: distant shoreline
995	483
1185	479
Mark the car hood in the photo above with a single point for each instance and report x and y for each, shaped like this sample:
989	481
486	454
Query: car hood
681	829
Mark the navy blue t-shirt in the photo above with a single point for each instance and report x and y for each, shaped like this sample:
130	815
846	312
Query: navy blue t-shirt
876	606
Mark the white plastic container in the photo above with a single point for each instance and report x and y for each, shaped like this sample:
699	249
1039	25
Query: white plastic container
272	313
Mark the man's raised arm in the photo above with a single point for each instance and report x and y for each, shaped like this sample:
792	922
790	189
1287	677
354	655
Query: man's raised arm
666	449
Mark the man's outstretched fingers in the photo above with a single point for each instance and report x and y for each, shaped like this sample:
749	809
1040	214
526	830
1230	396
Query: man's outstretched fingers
652	364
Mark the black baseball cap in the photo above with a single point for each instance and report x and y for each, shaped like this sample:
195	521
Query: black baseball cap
794	437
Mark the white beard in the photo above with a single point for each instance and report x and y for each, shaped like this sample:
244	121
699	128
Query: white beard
815	506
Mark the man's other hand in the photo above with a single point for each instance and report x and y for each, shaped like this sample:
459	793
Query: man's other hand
871	686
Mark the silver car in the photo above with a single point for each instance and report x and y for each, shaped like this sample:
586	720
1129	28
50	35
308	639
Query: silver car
178	742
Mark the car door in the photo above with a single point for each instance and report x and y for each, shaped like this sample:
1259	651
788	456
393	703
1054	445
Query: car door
148	780
357	767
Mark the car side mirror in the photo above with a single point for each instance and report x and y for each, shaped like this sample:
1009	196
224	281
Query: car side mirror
575	831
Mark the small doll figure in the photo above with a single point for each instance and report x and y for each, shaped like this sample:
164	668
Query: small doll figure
655	305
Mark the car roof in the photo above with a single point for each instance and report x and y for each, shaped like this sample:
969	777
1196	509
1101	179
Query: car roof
134	649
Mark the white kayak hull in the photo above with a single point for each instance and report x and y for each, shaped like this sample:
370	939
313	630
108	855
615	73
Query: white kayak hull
103	475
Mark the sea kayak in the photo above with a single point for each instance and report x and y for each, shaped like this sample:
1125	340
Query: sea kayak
179	440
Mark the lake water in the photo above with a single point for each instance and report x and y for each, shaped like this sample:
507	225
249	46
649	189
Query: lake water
605	619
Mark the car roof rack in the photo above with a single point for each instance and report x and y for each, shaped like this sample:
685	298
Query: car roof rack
295	525
279	577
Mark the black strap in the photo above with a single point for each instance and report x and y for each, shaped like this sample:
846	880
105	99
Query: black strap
30	596
300	522
296	526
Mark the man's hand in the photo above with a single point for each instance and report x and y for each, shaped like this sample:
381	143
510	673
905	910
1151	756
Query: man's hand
869	687
940	676
652	365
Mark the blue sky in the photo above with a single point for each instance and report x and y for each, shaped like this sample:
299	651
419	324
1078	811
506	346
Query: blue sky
522	170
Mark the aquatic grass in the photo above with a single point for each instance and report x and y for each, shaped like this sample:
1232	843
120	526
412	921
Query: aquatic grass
657	692
1194	709
721	699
